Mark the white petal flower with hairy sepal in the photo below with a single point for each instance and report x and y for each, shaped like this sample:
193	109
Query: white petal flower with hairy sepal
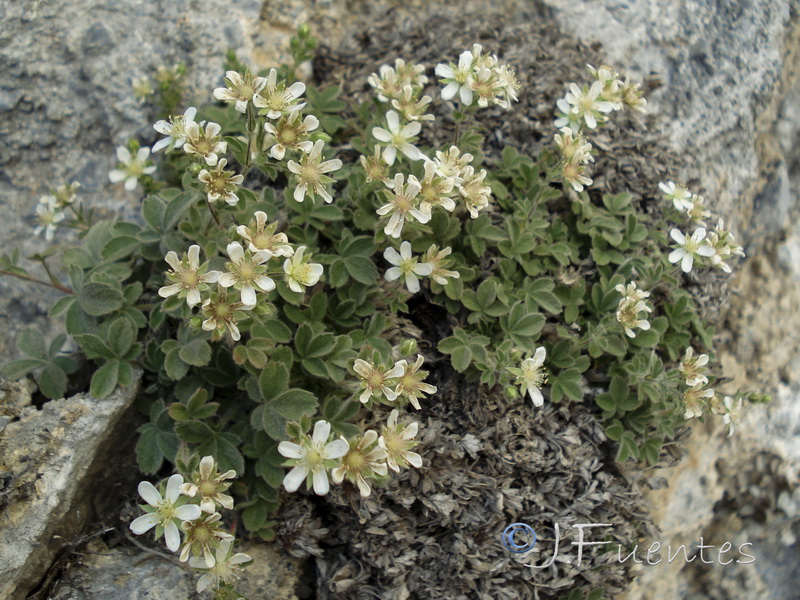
375	381
163	514
245	272
402	203
475	192
452	163
312	458
290	133
397	139
689	248
201	536
411	385
366	458
240	89
48	216
680	197
630	309
174	129
205	141
695	399
310	172
436	190
189	277
262	237
276	99
220	183
586	103
531	376
412	108
300	273
397	441
220	314
209	484
407	266
131	168
692	368
732	413
226	566
438	260
457	78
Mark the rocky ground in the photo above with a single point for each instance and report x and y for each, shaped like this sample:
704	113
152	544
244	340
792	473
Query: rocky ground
727	113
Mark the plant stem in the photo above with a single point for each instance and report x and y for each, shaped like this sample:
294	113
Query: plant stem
53	284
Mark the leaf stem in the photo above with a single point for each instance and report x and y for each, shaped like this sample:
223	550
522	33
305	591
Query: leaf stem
53	284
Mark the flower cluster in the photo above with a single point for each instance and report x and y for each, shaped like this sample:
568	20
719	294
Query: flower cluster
717	246
479	79
631	307
576	154
191	508
402	86
364	457
247	272
403	382
408	266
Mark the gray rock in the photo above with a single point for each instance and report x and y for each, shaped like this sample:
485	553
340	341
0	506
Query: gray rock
54	472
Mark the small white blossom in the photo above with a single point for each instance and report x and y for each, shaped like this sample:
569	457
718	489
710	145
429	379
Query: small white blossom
220	314
457	78
275	99
689	248
411	385
694	399
204	141
290	133
397	441
189	277
531	376
300	273
163	513
209	484
692	368
680	197
733	411
475	192
226	566
240	89
220	183
402	203
262	237
630	308
312	458
398	139
245	272
587	105
174	129
438	260
452	163
375	381
48	216
131	168
390	82
407	266
366	458
311	178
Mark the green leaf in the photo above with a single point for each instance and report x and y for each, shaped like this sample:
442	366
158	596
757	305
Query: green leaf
104	380
254	517
19	368
121	336
194	432
32	343
362	269
52	381
273	381
461	358
119	247
173	364
93	346
100	299
148	454
196	353
294	403
627	447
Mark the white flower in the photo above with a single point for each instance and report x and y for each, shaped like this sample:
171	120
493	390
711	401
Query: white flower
437	190
681	197
209	485
365	458
390	82
131	167
204	141
630	306
402	202
375	381
475	192
412	386
452	163
311	178
397	441
189	277
66	194
275	99
695	398
240	90
575	155
397	138
457	78
220	183
163	511
224	570
312	458
291	133
733	411
174	129
407	266
246	270
220	314
374	167
262	237
724	245
48	216
438	259
300	273
201	535
412	108
697	211
586	103
531	376
692	368
689	248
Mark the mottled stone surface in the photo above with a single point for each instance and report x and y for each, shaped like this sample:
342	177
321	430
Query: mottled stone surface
55	473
